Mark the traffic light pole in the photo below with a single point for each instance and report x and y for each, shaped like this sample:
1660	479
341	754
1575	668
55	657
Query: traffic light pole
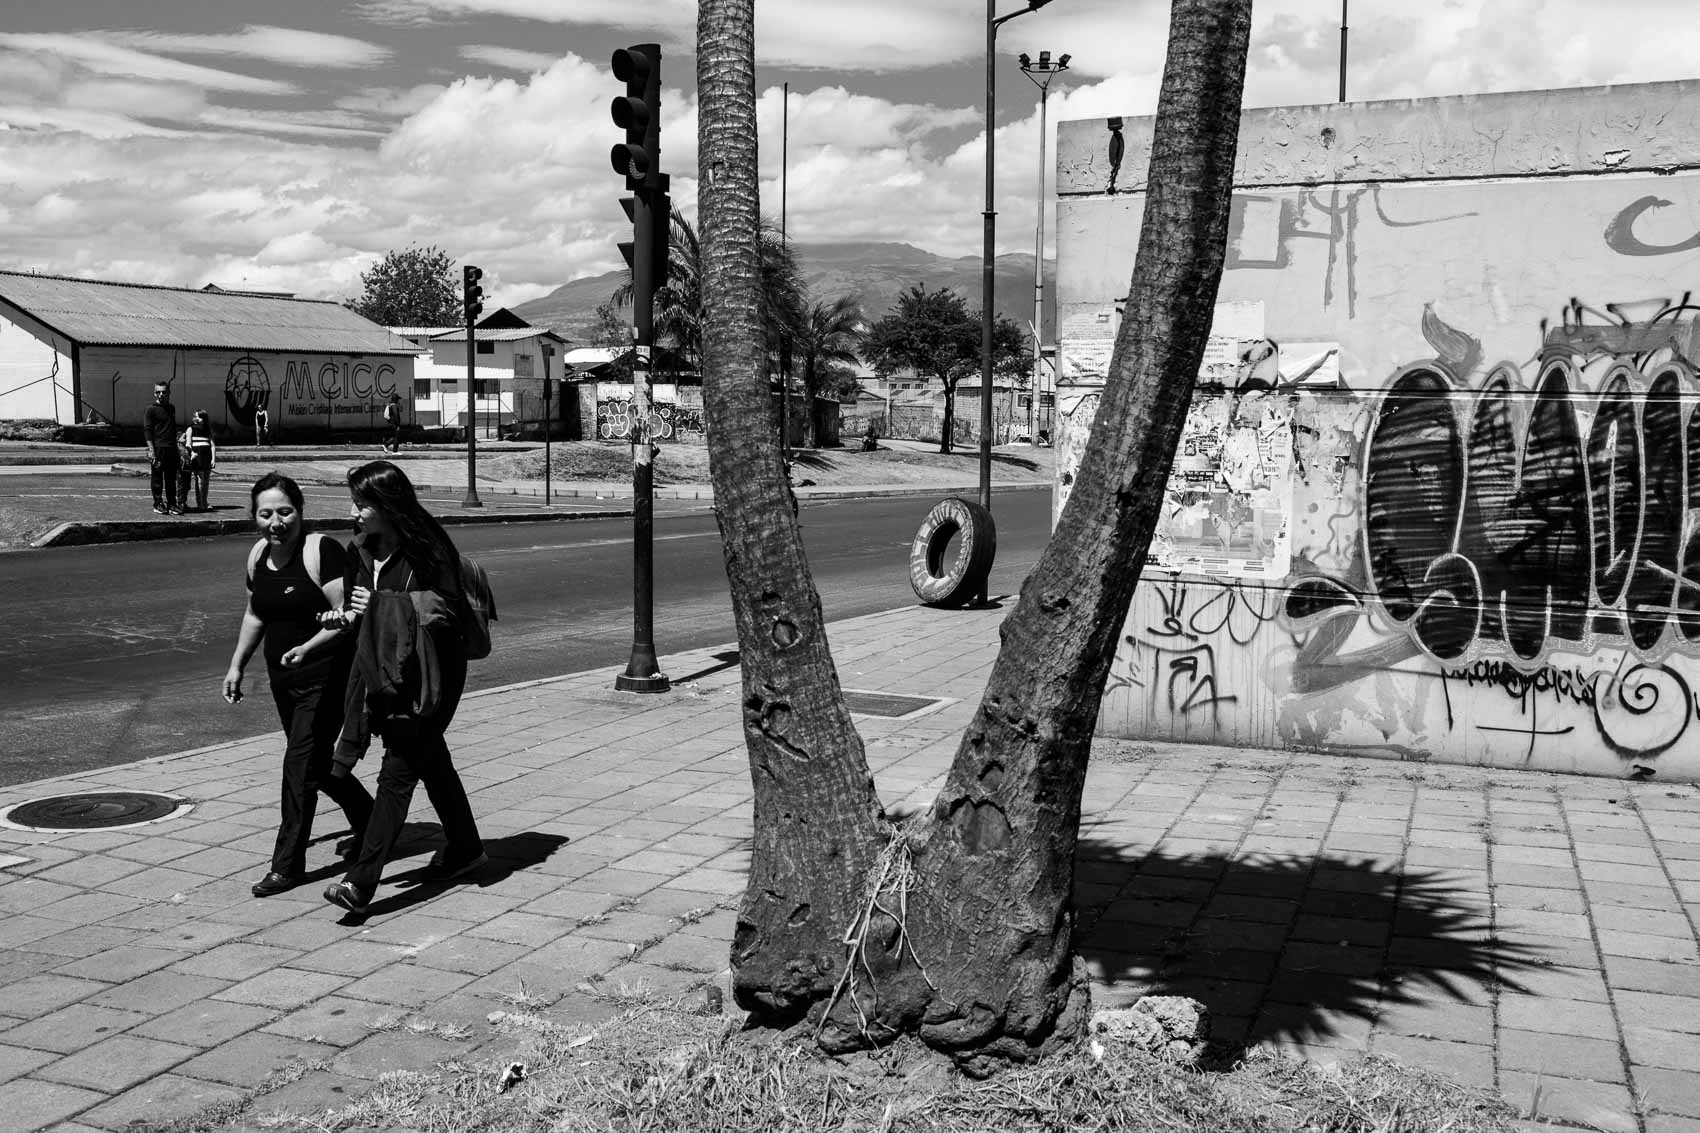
472	303
649	206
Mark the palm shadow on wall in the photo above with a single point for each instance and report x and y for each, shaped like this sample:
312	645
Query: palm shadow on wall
1284	948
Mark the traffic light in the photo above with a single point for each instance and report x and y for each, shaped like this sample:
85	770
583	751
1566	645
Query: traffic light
654	218
472	295
638	113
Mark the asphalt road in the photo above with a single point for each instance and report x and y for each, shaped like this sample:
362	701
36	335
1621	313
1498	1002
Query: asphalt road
114	653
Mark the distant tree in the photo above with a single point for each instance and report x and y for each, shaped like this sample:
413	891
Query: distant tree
826	341
613	332
936	335
415	288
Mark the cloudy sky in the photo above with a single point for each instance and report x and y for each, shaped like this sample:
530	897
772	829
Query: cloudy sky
288	145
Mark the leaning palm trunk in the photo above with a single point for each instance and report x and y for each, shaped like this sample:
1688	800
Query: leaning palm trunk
958	926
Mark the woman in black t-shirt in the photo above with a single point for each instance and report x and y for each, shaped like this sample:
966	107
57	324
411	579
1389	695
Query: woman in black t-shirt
308	669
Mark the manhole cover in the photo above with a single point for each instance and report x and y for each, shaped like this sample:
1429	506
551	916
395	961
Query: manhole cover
888	704
95	810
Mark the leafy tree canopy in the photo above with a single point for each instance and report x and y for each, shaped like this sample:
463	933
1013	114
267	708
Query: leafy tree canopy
414	287
935	334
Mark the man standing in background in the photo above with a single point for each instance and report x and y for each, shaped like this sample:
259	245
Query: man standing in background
159	434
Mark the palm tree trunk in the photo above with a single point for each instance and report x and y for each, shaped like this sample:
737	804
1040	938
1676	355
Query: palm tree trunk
818	822
961	923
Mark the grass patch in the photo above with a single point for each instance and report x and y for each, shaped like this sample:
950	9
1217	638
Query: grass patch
659	1067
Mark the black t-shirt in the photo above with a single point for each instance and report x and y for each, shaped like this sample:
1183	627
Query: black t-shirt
286	600
159	425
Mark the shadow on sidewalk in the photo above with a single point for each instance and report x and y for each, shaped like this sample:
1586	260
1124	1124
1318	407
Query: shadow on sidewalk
1291	946
509	855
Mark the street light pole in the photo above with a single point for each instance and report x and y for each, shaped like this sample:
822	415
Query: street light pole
1041	71
993	22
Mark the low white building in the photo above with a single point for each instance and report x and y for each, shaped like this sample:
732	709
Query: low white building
512	360
78	350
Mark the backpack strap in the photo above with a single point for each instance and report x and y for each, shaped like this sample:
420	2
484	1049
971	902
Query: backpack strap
310	556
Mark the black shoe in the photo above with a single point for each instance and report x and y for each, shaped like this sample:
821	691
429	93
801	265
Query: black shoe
348	895
272	884
446	867
160	509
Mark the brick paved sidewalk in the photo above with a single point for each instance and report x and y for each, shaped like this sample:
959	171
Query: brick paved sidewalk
1531	932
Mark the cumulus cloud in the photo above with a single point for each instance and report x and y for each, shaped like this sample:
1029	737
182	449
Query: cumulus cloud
510	169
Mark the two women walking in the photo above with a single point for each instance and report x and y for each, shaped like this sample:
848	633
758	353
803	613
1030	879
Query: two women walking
381	647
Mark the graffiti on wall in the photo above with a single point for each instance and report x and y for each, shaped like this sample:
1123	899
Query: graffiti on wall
1515	519
615	419
1510	556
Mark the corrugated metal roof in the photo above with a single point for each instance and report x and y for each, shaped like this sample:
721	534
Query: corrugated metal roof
99	313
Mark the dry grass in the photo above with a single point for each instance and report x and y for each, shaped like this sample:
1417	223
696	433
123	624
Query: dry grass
902	463
659	1068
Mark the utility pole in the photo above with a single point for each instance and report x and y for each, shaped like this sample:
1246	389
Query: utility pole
638	159
472	304
1343	4
1041	71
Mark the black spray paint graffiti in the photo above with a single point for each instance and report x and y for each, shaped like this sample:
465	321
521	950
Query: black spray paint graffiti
1171	660
1530	520
667	422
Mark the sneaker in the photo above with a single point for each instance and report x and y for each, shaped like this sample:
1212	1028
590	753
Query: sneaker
160	509
272	884
347	895
444	866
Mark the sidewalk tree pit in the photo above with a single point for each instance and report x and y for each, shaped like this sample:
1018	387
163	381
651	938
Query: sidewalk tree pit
955	925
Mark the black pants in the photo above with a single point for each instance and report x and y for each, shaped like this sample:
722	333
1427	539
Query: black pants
312	718
411	760
162	475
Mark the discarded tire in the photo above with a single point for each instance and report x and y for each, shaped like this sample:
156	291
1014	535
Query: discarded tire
956	582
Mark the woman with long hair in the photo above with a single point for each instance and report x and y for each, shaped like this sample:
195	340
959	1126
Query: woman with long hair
291	583
405	570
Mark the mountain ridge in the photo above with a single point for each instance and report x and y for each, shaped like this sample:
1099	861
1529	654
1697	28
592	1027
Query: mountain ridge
878	272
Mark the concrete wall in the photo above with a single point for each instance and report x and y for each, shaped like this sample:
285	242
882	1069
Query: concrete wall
1439	495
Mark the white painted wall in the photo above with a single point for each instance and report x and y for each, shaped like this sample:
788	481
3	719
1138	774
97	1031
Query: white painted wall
35	375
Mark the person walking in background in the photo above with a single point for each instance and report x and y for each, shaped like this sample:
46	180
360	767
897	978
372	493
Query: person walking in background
262	427
392	424
293	578
203	458
159	434
403	586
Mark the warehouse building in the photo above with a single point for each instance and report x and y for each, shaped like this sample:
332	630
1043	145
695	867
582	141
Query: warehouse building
81	350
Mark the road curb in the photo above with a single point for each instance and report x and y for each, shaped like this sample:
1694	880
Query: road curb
82	534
